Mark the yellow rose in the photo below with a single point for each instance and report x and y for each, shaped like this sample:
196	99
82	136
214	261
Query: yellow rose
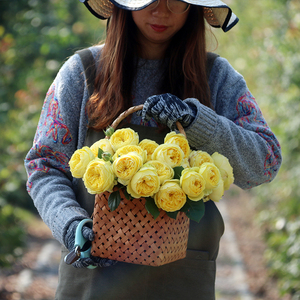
211	175
192	183
103	144
170	154
180	140
225	168
79	161
164	171
149	146
185	163
170	196
197	158
99	177
144	183
123	137
217	192
131	148
126	166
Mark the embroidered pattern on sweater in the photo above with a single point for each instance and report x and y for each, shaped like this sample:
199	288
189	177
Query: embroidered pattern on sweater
249	112
28	186
46	158
54	120
271	161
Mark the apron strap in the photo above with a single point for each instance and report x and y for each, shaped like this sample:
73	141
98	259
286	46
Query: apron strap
88	63
210	59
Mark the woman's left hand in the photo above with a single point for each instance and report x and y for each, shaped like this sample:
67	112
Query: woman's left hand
167	109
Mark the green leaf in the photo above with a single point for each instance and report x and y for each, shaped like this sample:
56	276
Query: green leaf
177	172
196	210
172	215
114	200
152	208
185	207
100	152
126	194
119	185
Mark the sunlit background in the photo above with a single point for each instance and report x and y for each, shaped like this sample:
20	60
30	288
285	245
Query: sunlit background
36	37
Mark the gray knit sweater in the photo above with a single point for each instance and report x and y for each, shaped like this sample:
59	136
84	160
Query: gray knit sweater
235	129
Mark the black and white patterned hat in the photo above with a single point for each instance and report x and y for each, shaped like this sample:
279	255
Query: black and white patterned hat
216	12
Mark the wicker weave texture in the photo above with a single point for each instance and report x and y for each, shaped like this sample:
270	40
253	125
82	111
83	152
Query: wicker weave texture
130	234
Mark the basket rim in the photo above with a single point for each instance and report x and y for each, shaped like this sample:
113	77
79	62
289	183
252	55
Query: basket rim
134	109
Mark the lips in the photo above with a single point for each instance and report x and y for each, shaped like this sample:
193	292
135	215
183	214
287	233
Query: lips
158	28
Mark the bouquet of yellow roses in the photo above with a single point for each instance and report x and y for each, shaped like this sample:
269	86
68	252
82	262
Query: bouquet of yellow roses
170	176
145	193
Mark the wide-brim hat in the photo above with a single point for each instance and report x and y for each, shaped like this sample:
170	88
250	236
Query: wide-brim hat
216	12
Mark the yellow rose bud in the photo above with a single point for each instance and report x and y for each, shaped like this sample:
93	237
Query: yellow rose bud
164	171
144	183
192	183
211	175
103	144
225	168
180	140
170	196
217	192
109	131
170	154
106	156
126	166
99	177
79	161
197	158
149	146
131	148
123	137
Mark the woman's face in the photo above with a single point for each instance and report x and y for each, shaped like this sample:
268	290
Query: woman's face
156	27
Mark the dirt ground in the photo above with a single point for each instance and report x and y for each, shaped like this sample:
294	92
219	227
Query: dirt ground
251	245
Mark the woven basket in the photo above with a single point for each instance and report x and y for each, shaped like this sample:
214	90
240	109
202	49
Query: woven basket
130	234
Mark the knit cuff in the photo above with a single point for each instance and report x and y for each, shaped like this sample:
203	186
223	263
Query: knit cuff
202	129
63	220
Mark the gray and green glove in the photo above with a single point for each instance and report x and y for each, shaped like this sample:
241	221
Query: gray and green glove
88	234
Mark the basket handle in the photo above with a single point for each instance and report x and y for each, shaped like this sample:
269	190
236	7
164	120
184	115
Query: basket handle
133	109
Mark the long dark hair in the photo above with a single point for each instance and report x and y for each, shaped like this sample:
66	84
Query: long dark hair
185	76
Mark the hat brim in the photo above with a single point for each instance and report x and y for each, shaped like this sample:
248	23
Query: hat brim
216	12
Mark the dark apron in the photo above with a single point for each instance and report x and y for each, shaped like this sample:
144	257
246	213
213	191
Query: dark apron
190	278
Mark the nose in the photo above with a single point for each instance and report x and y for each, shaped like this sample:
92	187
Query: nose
161	9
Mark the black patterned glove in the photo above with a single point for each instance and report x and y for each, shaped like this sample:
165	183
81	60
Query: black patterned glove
93	261
88	234
167	109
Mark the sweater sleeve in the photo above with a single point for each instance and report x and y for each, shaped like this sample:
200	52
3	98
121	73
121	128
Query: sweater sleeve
49	179
235	128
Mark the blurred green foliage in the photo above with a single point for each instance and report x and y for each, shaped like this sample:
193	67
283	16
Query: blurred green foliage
12	236
36	37
264	47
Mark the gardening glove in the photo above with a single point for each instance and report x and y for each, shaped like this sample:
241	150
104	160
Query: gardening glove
88	234
167	109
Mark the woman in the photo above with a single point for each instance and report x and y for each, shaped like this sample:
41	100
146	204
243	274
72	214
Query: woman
155	55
